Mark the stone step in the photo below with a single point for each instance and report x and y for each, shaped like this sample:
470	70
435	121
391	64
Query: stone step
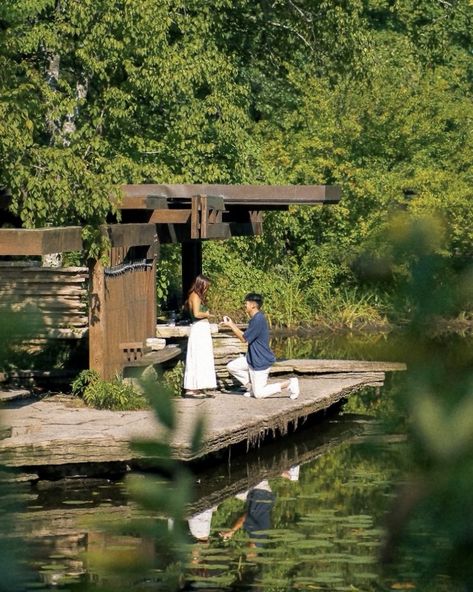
14	394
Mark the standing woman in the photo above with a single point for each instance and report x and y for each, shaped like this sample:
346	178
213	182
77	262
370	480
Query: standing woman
200	366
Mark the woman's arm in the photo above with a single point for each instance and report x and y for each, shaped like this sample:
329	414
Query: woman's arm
194	305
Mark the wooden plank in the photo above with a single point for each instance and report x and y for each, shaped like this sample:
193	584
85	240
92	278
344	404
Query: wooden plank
42	278
204	216
256	220
130	235
195	231
222	230
97	319
170	216
40	241
48	291
216	202
63	333
144	202
243	194
47	303
225	230
169	221
156	357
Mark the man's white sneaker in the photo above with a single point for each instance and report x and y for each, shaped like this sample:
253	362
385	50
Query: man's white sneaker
294	389
247	394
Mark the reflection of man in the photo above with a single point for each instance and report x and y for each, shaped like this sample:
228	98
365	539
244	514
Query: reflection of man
257	518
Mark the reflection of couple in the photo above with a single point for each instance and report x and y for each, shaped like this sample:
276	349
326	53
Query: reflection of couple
252	370
255	520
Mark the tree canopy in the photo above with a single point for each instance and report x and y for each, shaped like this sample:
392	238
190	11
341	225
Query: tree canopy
374	95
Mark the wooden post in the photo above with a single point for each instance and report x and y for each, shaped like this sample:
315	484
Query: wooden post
97	311
204	216
195	216
191	264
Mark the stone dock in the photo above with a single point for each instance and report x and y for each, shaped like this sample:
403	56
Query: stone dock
59	430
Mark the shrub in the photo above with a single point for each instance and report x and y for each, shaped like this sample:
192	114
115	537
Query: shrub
115	394
174	378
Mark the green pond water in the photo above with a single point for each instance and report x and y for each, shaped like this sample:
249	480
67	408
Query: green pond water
315	503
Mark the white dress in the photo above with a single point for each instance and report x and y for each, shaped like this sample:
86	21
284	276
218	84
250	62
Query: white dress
200	365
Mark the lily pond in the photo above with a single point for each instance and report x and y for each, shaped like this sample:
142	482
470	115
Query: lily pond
303	512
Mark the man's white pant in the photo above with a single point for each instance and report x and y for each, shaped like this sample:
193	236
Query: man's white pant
258	379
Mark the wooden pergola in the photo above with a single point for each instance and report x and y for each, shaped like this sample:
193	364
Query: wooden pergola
122	294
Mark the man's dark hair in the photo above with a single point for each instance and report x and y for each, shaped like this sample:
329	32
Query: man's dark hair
254	297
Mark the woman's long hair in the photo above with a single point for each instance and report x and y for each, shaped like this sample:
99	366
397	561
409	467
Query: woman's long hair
200	286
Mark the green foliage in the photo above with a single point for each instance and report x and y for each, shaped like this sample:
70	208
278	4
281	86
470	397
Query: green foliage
162	497
115	394
19	324
14	327
437	399
174	378
168	274
373	96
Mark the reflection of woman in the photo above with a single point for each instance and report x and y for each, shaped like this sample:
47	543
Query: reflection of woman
200	366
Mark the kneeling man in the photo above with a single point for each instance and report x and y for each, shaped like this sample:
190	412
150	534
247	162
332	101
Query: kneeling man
252	370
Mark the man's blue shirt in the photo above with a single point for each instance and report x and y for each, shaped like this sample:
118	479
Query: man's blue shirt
259	356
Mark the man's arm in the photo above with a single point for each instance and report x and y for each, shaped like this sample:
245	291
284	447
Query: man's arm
227	534
227	321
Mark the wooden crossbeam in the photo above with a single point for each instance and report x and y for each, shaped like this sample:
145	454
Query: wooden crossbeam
131	235
170	216
40	241
143	202
243	194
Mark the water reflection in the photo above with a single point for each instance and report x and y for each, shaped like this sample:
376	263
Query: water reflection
310	509
272	488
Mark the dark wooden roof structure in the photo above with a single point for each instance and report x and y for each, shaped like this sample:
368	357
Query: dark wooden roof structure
215	211
122	295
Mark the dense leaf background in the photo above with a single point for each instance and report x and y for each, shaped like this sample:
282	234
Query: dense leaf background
373	95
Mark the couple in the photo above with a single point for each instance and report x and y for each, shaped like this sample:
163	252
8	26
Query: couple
252	370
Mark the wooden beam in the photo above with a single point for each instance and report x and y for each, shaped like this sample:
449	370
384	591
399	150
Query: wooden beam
131	235
40	241
215	202
204	216
97	319
243	194
256	220
143	202
228	229
195	217
170	216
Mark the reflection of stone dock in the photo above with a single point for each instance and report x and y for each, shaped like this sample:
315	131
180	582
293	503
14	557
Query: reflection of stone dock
56	431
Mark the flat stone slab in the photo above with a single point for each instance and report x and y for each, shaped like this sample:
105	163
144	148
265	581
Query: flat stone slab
13	394
57	431
335	366
169	331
